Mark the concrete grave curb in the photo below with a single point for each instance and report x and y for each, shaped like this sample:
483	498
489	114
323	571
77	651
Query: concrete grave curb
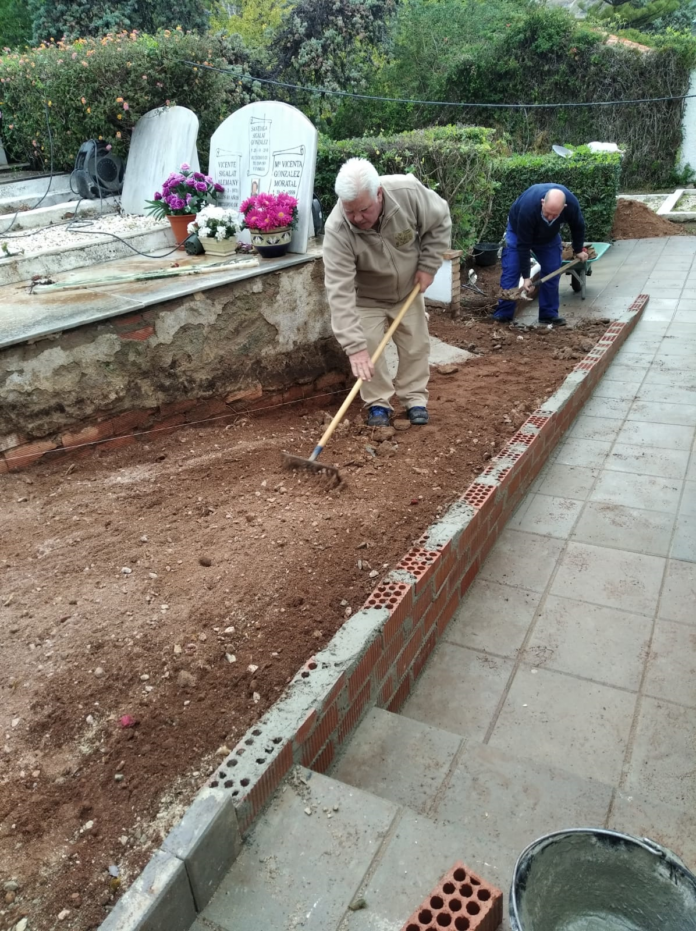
373	660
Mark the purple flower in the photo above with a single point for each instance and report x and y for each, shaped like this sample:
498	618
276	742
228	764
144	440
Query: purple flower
176	203
201	186
198	176
190	182
185	167
158	196
219	188
189	198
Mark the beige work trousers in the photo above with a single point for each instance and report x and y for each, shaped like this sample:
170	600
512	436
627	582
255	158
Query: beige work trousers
413	348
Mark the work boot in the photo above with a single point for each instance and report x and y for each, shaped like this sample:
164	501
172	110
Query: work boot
378	416
418	416
489	318
552	321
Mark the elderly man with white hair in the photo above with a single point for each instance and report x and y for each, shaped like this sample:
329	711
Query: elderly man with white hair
385	235
534	225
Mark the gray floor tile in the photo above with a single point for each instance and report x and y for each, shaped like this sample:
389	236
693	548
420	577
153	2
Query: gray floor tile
611	388
675	394
669	825
585	640
595	428
512	800
671	671
657	412
662	762
563	480
687	303
615	578
458	690
548	515
638	491
684	542
588	453
647	460
662	436
374	760
523	560
678	602
623	528
275	882
616	408
418	854
681	349
493	617
691	470
685	316
561	721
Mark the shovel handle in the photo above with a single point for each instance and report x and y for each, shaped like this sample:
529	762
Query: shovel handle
558	271
328	433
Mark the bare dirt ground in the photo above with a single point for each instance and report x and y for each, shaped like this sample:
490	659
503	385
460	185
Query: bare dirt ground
182	582
635	220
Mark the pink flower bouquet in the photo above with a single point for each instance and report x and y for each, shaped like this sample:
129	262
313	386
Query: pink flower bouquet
267	212
184	192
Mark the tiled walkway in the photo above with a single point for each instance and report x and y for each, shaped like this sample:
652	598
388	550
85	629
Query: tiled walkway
564	691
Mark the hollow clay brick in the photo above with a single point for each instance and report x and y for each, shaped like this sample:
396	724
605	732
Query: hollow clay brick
461	901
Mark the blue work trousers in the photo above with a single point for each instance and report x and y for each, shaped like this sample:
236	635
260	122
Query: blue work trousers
549	257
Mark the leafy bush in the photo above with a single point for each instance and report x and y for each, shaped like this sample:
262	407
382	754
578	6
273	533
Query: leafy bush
99	88
594	179
72	19
456	161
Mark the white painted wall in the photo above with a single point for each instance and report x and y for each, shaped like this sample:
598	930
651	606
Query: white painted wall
687	155
441	288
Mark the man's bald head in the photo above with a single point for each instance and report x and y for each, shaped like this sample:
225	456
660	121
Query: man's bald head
553	203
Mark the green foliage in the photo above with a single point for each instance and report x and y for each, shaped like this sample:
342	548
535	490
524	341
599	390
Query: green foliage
253	20
456	161
594	179
98	89
72	19
647	15
472	50
15	24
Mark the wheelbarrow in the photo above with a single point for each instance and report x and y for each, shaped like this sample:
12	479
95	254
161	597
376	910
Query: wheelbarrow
581	271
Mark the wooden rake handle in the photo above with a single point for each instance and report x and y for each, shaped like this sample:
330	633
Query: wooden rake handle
328	433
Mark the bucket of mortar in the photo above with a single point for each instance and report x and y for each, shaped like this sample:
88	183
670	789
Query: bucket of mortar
587	879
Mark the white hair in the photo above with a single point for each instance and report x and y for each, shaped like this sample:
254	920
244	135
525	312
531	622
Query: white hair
356	176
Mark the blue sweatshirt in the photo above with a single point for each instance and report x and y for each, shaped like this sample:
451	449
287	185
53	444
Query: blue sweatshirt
531	229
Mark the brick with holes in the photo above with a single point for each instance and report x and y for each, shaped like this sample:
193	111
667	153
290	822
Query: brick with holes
461	901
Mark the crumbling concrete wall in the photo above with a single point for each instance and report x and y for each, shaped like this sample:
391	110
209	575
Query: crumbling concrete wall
270	331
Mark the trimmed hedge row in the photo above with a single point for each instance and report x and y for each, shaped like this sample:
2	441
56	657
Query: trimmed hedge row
470	168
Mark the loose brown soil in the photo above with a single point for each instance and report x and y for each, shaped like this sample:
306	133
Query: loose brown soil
183	580
634	220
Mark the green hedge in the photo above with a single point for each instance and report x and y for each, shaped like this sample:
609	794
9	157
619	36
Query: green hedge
594	179
456	161
99	88
471	169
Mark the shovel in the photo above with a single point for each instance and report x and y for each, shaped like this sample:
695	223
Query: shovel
297	462
519	294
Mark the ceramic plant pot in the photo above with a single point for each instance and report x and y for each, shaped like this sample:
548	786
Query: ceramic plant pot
179	224
271	243
215	246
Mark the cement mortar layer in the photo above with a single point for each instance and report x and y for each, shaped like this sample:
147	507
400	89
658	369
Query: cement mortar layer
272	329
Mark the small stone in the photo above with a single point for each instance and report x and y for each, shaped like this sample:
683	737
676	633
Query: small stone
357	904
15	721
402	424
178	649
10	897
335	808
126	570
361	546
14	629
202	637
317	634
448	369
98	671
348	611
143	539
205	561
89	719
230	657
22	924
224	750
77	899
185	679
374	574
308	811
118	777
64	914
123	839
256	698
11	886
383	433
144	677
251	668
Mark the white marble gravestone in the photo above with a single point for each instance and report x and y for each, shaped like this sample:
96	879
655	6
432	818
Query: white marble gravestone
163	140
267	148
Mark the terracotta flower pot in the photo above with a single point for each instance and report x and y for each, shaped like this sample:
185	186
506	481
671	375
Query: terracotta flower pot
179	224
271	243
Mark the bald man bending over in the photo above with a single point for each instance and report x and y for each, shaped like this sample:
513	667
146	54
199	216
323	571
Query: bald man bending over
534	224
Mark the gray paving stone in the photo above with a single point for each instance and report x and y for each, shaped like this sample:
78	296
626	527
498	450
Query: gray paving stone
645	491
672	826
663	436
644	461
588	453
493	617
399	759
671	669
458	690
662	762
419	853
613	388
566	722
566	481
618	527
524	560
663	412
586	640
684	542
298	870
512	800
675	394
615	578
595	428
208	840
608	407
678	601
547	515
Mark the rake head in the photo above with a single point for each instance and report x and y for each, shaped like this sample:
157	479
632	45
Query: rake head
311	465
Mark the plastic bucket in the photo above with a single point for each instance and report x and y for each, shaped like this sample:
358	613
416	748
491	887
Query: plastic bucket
486	253
588	879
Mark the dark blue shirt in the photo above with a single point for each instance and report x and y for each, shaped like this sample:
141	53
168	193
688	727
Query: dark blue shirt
531	229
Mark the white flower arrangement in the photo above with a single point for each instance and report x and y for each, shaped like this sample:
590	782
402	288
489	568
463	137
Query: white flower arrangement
216	223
